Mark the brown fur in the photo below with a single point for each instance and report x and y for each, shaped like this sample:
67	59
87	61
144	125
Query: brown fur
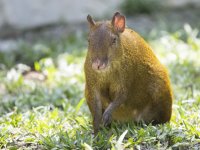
134	86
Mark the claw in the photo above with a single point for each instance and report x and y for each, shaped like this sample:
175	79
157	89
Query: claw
107	119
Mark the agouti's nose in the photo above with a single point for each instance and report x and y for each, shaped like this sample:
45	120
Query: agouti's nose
98	65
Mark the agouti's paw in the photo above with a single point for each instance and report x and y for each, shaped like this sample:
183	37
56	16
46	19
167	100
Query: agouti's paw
107	118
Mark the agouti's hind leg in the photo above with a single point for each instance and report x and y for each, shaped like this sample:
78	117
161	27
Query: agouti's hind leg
157	113
163	114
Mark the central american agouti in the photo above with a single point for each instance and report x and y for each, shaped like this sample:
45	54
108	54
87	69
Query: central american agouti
124	79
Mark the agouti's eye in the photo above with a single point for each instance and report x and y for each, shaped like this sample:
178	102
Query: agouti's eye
114	40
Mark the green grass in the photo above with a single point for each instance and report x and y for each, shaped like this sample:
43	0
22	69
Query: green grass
52	113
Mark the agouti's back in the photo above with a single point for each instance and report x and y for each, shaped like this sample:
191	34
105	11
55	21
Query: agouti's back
124	79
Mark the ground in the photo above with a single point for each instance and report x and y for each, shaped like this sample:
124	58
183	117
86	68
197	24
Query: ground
42	104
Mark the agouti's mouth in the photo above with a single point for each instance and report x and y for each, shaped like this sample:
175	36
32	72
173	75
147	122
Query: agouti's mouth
99	67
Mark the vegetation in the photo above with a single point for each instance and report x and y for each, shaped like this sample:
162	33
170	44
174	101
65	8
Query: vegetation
42	103
131	7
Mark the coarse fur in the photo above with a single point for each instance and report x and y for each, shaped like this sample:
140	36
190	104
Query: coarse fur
124	79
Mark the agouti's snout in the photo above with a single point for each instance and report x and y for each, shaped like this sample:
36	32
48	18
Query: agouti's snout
99	65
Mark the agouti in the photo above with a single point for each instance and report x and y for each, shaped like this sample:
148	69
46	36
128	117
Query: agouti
124	79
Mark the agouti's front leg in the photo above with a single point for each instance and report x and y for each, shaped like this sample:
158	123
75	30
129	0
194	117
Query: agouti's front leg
107	115
97	113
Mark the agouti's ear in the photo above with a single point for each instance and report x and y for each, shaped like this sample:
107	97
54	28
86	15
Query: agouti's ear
91	21
118	22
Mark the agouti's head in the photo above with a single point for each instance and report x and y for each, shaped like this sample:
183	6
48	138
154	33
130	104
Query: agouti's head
104	41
